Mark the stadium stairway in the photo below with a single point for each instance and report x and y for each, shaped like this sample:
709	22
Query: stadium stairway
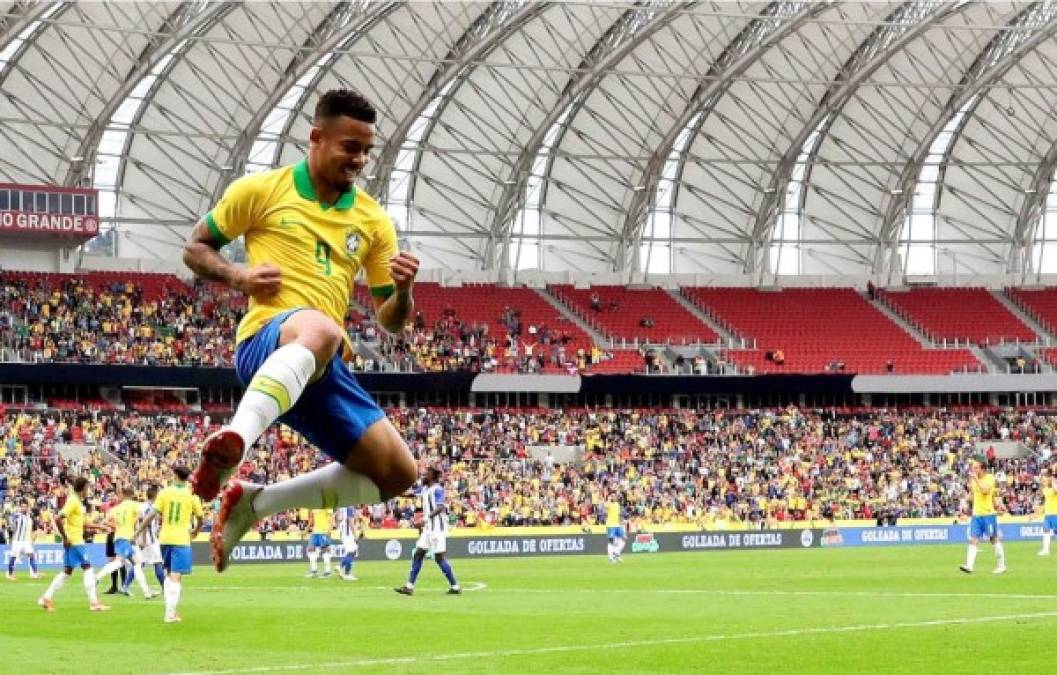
1043	334
725	335
596	337
907	327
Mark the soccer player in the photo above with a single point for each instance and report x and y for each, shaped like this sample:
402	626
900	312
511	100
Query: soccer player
20	536
319	522
1049	510
72	528
175	506
434	535
147	539
614	529
123	519
351	533
309	232
985	520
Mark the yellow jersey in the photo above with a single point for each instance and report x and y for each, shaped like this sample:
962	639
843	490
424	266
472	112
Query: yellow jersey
73	512
176	505
320	248
984	504
1050	506
125	515
321	523
612	514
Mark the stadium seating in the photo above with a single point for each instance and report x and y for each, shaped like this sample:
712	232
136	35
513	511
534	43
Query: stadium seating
958	314
816	329
619	312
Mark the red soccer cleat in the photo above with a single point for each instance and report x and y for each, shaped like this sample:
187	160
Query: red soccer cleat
235	519
221	454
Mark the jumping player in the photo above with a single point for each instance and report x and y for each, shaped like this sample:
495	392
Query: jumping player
309	232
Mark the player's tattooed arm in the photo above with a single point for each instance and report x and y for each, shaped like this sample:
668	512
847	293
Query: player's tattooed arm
202	255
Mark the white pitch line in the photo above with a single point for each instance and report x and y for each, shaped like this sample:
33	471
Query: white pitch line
478	586
534	651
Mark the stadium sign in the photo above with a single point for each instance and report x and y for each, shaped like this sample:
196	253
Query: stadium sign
921	534
48	224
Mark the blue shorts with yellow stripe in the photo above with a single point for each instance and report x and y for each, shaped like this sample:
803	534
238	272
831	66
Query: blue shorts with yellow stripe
332	413
1050	523
76	556
982	527
319	541
176	558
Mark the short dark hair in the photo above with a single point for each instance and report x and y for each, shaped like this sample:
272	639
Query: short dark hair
128	491
181	471
79	483
348	102
152	490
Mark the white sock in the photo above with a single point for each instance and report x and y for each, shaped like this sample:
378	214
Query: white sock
112	566
326	562
58	582
1000	553
970	556
137	569
274	389
172	594
620	546
312	558
89	586
1046	536
325	488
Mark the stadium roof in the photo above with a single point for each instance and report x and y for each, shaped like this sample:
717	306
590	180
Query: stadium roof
710	138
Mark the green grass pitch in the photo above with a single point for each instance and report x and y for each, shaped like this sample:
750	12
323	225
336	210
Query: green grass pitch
888	610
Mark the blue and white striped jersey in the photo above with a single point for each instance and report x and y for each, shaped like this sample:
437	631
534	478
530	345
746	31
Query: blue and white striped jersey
347	523
20	526
150	537
432	496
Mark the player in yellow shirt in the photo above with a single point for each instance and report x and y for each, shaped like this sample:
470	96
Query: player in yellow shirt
985	519
181	514
615	529
309	231
122	520
1049	510
320	523
72	528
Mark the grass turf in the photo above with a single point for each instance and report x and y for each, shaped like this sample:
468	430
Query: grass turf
891	610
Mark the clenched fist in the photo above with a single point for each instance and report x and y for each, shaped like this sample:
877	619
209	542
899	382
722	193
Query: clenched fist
404	268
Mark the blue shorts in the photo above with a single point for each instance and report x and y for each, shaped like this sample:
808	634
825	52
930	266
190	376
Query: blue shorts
1050	523
319	541
615	532
76	556
332	413
176	558
123	547
984	527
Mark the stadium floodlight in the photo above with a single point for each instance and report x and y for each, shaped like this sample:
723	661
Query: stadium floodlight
77	158
509	182
638	188
897	191
1029	191
227	167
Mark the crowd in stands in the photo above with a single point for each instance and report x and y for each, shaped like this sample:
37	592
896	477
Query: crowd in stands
708	469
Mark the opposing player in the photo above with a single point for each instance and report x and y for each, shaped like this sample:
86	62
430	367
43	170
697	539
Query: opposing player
308	232
20	536
320	523
615	532
123	519
1049	510
351	533
176	507
72	528
985	519
147	539
434	535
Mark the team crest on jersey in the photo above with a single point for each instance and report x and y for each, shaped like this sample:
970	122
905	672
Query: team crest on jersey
352	243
